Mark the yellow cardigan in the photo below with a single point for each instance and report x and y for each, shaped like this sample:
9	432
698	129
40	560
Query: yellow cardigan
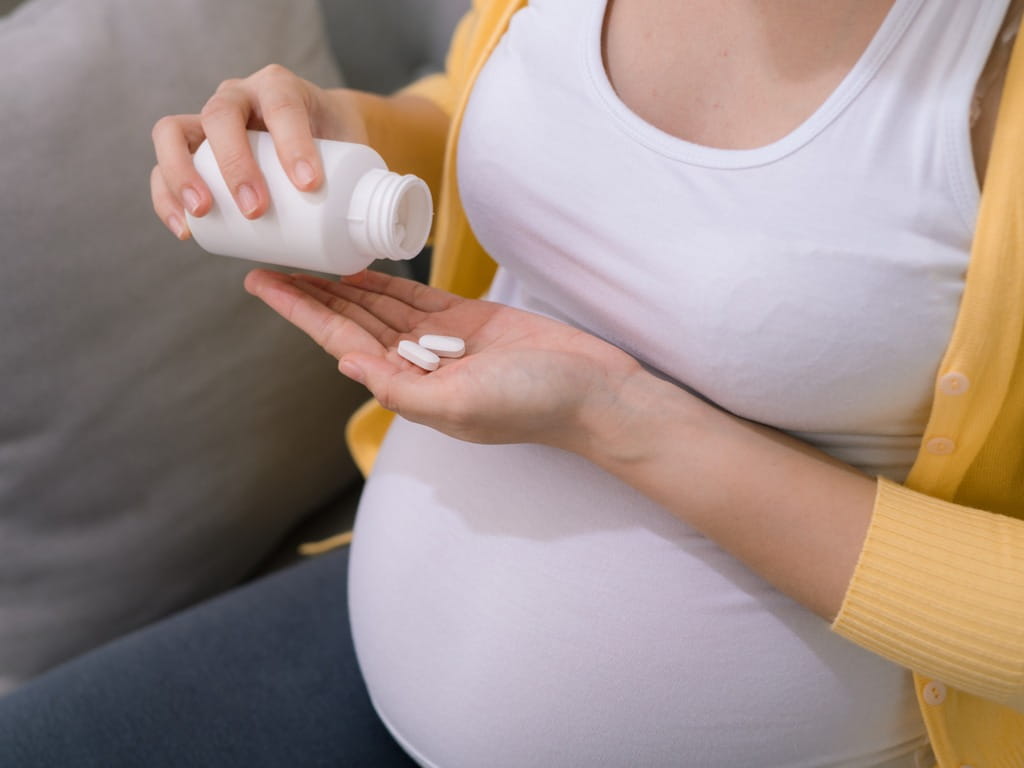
939	587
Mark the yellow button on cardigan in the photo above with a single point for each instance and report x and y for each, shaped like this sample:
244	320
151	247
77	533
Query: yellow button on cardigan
939	586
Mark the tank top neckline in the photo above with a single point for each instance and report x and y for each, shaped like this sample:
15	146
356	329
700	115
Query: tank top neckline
893	26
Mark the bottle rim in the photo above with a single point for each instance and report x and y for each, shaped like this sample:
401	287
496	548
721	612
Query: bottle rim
390	214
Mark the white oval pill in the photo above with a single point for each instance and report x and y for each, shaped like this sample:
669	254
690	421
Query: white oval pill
416	354
444	346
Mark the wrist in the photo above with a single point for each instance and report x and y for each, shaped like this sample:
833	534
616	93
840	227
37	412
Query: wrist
624	426
407	130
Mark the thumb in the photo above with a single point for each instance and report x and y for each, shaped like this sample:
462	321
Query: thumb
387	382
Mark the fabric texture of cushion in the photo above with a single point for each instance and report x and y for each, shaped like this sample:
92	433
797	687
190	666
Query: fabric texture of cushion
385	45
160	429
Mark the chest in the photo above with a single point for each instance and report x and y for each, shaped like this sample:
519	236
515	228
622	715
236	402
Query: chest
737	74
810	283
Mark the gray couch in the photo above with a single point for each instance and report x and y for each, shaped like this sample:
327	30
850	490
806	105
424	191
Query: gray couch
162	435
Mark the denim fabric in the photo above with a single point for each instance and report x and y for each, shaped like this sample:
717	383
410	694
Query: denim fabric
264	675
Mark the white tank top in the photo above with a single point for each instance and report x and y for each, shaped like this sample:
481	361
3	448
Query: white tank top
514	605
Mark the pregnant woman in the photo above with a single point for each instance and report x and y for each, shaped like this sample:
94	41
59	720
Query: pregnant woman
731	472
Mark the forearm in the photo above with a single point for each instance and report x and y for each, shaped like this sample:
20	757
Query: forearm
790	513
409	132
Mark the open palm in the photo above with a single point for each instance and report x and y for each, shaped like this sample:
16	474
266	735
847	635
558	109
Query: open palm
525	378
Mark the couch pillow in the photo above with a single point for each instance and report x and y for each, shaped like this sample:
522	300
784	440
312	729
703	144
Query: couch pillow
159	428
385	50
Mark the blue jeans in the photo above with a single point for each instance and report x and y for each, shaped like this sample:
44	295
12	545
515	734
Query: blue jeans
264	675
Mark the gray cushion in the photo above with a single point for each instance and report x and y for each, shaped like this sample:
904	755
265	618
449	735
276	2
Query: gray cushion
159	428
385	44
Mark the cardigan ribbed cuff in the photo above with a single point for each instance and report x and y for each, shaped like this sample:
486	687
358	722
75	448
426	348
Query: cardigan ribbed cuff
939	588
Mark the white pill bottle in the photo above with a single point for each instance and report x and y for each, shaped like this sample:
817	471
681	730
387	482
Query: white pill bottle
360	213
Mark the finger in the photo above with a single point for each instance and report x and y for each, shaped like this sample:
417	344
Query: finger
417	395
387	309
337	334
225	118
396	384
175	138
356	278
284	107
418	295
377	328
166	205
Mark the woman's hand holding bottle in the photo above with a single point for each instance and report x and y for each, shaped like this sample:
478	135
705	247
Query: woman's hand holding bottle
274	99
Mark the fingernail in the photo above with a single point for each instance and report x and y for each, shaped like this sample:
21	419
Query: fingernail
191	198
177	226
304	173
352	370
354	279
247	200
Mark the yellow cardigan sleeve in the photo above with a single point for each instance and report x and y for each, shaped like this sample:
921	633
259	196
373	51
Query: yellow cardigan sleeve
939	589
445	88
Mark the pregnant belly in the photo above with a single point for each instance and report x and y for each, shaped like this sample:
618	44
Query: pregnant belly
515	606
